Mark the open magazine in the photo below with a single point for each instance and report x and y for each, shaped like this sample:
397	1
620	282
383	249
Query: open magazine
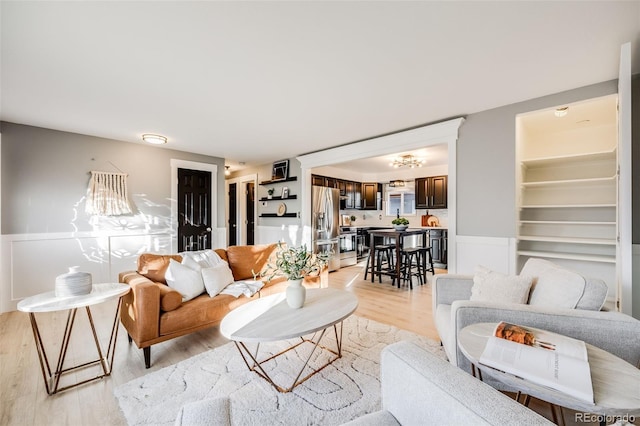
542	357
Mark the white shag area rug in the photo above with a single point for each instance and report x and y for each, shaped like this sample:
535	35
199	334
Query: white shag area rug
346	389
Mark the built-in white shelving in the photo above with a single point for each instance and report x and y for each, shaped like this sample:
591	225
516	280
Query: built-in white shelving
567	195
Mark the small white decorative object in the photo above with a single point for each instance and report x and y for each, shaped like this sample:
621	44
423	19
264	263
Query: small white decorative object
296	294
73	283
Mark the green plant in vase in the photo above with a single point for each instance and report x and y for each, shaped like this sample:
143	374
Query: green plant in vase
400	223
295	263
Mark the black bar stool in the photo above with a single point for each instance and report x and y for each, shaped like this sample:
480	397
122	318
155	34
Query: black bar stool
411	257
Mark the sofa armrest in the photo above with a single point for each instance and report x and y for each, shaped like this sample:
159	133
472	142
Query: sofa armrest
140	307
614	332
447	288
420	388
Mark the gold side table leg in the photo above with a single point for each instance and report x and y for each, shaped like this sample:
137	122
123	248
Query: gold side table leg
52	379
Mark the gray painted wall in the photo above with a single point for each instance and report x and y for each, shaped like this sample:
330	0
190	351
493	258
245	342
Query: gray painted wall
486	162
293	206
45	175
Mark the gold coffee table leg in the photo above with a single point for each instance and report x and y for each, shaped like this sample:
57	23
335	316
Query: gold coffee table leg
257	365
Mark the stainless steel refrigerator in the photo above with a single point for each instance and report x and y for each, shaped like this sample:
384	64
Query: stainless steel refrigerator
325	223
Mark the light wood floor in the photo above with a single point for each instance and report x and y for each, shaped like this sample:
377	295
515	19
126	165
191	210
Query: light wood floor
24	400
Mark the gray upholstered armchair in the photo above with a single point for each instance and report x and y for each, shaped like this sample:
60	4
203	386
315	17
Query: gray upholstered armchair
453	310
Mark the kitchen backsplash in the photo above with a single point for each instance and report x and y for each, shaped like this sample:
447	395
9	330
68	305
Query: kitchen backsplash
378	218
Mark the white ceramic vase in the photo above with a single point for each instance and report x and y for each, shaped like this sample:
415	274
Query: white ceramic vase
296	294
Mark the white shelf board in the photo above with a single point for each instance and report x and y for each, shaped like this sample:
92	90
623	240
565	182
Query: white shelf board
568	256
572	182
565	222
570	240
565	159
564	206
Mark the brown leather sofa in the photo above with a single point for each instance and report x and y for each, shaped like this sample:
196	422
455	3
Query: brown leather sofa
152	312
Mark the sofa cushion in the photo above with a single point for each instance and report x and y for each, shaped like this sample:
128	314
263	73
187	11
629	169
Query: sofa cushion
492	286
170	298
202	258
553	286
245	260
594	296
154	266
216	278
200	311
185	280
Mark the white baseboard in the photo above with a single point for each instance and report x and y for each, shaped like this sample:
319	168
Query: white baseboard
496	253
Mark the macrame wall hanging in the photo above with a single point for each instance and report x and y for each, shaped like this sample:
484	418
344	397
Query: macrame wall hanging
107	194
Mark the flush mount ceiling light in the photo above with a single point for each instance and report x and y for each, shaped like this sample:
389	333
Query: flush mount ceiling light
561	112
227	172
407	160
154	139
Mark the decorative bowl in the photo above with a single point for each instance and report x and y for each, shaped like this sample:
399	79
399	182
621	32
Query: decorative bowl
400	227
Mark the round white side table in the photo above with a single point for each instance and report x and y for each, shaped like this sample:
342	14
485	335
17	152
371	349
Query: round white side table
48	302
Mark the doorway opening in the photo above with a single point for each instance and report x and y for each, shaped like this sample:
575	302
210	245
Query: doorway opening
241	211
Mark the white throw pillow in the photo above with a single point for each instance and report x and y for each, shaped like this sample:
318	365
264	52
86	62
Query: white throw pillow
217	277
553	286
184	279
491	286
204	258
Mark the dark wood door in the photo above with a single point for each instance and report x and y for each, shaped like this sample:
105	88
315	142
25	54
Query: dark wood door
350	200
194	210
250	195
421	193
438	192
233	214
369	196
435	242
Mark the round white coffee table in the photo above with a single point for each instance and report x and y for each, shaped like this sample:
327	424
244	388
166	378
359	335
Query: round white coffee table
48	302
270	319
616	383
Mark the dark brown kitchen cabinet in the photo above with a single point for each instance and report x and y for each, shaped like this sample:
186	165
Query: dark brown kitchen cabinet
317	180
342	186
351	199
357	195
431	192
438	244
370	193
330	182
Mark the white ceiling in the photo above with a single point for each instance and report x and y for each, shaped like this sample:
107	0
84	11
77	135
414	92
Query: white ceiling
260	81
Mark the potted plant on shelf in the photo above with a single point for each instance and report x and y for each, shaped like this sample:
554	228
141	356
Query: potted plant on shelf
353	219
270	192
400	223
295	263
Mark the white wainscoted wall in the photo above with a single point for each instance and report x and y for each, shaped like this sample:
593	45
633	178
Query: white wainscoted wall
31	262
496	253
636	280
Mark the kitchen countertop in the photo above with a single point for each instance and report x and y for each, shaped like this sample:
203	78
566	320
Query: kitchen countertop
390	227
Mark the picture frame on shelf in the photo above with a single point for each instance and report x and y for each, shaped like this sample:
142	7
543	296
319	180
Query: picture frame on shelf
280	170
285	192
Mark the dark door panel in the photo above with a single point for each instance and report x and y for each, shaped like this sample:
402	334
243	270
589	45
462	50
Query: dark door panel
194	210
